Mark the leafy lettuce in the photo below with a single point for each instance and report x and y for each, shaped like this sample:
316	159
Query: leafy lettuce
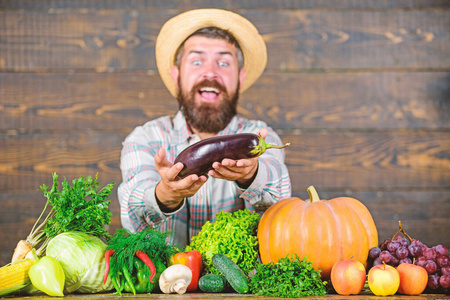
233	234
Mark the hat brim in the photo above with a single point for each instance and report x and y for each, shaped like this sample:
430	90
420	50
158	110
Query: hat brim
176	30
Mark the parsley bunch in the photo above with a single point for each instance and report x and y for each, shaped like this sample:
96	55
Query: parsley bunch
290	277
80	207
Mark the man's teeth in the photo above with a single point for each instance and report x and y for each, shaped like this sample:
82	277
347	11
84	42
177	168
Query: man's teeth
211	90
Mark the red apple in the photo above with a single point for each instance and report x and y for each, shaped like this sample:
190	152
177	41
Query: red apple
384	280
348	277
413	279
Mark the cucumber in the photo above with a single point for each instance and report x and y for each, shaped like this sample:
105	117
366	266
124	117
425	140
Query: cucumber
212	283
234	275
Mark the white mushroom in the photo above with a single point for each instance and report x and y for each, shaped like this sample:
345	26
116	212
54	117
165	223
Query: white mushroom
175	279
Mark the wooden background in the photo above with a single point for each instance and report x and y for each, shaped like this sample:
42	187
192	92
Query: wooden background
361	90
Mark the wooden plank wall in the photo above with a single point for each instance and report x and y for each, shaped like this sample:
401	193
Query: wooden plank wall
361	90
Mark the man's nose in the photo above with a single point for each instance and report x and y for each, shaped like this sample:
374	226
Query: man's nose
210	71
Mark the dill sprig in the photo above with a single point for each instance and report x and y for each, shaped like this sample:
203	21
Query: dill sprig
125	244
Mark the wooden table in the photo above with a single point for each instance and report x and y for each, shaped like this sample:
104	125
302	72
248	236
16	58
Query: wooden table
205	296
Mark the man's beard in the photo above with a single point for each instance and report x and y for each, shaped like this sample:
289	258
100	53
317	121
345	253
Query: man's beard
208	118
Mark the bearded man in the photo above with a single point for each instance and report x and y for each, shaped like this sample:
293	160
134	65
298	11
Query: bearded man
206	58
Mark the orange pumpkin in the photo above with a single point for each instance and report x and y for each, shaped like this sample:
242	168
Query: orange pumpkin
322	231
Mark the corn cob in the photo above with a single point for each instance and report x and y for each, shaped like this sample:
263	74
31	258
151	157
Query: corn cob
14	276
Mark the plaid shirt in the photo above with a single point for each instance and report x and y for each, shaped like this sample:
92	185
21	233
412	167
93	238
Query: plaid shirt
138	207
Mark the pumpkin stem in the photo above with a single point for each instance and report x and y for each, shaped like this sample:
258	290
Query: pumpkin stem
313	196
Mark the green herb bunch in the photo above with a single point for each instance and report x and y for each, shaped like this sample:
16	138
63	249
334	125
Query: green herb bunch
290	277
125	244
233	234
80	207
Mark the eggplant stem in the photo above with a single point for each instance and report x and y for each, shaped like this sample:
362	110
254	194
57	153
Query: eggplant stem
263	146
269	146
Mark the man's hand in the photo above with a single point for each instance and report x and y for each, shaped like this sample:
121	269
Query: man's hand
242	171
171	190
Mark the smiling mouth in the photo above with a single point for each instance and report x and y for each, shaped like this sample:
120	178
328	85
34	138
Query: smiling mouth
209	90
209	93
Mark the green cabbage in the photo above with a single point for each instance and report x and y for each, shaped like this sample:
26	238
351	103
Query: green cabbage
82	258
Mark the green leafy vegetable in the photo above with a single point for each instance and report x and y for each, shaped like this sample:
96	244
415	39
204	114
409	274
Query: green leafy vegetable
290	277
233	234
150	241
82	258
73	208
79	207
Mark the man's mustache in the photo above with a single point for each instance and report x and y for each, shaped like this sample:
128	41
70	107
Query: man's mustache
209	83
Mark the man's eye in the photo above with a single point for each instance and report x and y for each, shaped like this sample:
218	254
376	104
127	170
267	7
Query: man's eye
223	64
196	62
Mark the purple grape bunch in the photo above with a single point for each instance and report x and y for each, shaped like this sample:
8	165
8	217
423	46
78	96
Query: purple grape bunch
402	249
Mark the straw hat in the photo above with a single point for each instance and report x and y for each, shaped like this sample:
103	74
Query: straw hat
177	29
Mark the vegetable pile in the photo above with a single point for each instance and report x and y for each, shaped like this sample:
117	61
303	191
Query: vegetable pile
77	254
71	261
290	277
232	234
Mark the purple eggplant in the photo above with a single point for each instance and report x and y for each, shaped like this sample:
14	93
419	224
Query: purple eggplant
199	157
